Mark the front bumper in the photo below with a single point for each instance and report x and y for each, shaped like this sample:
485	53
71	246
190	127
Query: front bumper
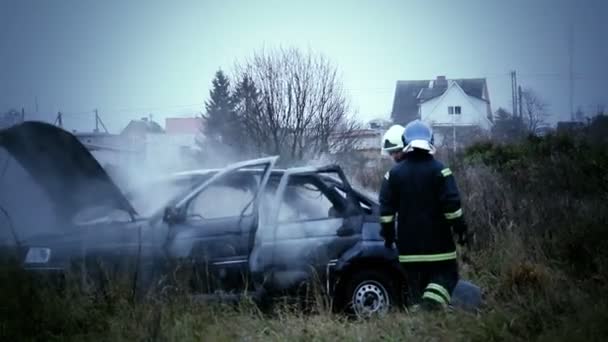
51	277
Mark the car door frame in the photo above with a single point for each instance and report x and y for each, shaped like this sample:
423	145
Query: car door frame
178	211
271	222
351	200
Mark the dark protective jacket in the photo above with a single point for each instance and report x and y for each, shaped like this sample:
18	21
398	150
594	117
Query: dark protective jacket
423	195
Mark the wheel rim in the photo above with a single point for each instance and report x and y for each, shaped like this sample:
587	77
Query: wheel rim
370	298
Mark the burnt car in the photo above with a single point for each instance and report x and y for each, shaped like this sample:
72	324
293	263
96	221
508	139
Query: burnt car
249	227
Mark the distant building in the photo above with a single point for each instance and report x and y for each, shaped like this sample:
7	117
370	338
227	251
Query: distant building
569	126
379	124
144	145
168	148
184	132
447	105
366	141
142	127
11	117
109	148
187	126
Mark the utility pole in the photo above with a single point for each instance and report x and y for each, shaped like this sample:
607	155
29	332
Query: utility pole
59	120
453	136
22	114
454	130
514	92
519	96
571	70
98	121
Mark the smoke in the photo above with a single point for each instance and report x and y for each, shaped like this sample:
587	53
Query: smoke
297	230
28	207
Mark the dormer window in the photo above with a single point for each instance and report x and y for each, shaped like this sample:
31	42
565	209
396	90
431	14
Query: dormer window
454	110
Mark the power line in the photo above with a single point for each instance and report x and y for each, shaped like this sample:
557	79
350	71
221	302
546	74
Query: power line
571	69
556	76
514	92
142	109
135	109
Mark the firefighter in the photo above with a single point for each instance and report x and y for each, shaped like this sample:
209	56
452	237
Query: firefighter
392	142
420	193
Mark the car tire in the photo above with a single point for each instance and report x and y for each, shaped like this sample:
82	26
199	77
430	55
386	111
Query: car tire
370	293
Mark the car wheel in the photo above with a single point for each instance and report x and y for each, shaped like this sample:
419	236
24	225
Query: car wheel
370	293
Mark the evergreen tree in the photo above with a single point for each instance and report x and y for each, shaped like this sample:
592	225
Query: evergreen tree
247	108
219	111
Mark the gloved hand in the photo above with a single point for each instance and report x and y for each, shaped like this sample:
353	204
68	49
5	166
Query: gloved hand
388	233
461	231
463	239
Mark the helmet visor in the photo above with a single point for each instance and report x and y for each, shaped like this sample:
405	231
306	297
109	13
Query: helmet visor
421	144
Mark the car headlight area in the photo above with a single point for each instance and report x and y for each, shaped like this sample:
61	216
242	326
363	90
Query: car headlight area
38	255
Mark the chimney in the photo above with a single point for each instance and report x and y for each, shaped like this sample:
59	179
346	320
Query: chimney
441	81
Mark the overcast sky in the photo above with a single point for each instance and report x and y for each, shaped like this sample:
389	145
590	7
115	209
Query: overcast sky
132	58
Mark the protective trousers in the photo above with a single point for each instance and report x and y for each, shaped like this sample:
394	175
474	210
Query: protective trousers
430	284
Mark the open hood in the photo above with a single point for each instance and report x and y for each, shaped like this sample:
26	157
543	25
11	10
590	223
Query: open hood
63	168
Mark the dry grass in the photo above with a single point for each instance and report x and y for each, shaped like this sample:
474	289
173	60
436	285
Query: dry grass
540	255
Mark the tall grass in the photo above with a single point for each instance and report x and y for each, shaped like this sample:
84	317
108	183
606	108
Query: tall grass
539	213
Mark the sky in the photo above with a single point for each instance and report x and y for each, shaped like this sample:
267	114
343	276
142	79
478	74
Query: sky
129	59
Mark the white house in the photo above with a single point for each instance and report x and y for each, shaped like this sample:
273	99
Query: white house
452	107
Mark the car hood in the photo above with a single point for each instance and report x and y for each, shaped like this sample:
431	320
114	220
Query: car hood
63	168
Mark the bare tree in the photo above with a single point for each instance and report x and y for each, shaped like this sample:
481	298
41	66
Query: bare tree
601	109
534	110
508	127
579	115
295	104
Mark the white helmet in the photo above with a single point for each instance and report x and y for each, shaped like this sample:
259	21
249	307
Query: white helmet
392	140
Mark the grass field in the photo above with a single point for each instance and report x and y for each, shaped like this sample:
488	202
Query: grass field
539	211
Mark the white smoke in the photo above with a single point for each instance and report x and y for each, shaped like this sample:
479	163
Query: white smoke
305	230
27	207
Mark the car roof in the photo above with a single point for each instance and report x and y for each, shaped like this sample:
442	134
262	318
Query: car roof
275	172
202	172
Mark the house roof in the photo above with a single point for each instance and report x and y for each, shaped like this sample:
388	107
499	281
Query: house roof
430	93
405	103
473	86
408	94
183	125
142	127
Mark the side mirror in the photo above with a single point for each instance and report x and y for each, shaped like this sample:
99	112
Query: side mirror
171	215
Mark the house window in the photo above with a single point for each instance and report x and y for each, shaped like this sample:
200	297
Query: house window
454	110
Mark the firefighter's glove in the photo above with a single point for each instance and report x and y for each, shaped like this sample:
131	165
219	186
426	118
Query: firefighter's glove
463	239
461	231
388	233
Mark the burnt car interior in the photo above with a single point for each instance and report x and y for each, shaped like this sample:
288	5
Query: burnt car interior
230	196
306	198
310	206
150	197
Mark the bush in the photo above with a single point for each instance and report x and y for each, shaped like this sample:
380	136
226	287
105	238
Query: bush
539	212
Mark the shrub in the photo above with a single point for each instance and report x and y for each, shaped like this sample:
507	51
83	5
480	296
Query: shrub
539	212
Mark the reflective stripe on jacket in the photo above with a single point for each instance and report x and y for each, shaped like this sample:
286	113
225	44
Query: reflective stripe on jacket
423	195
